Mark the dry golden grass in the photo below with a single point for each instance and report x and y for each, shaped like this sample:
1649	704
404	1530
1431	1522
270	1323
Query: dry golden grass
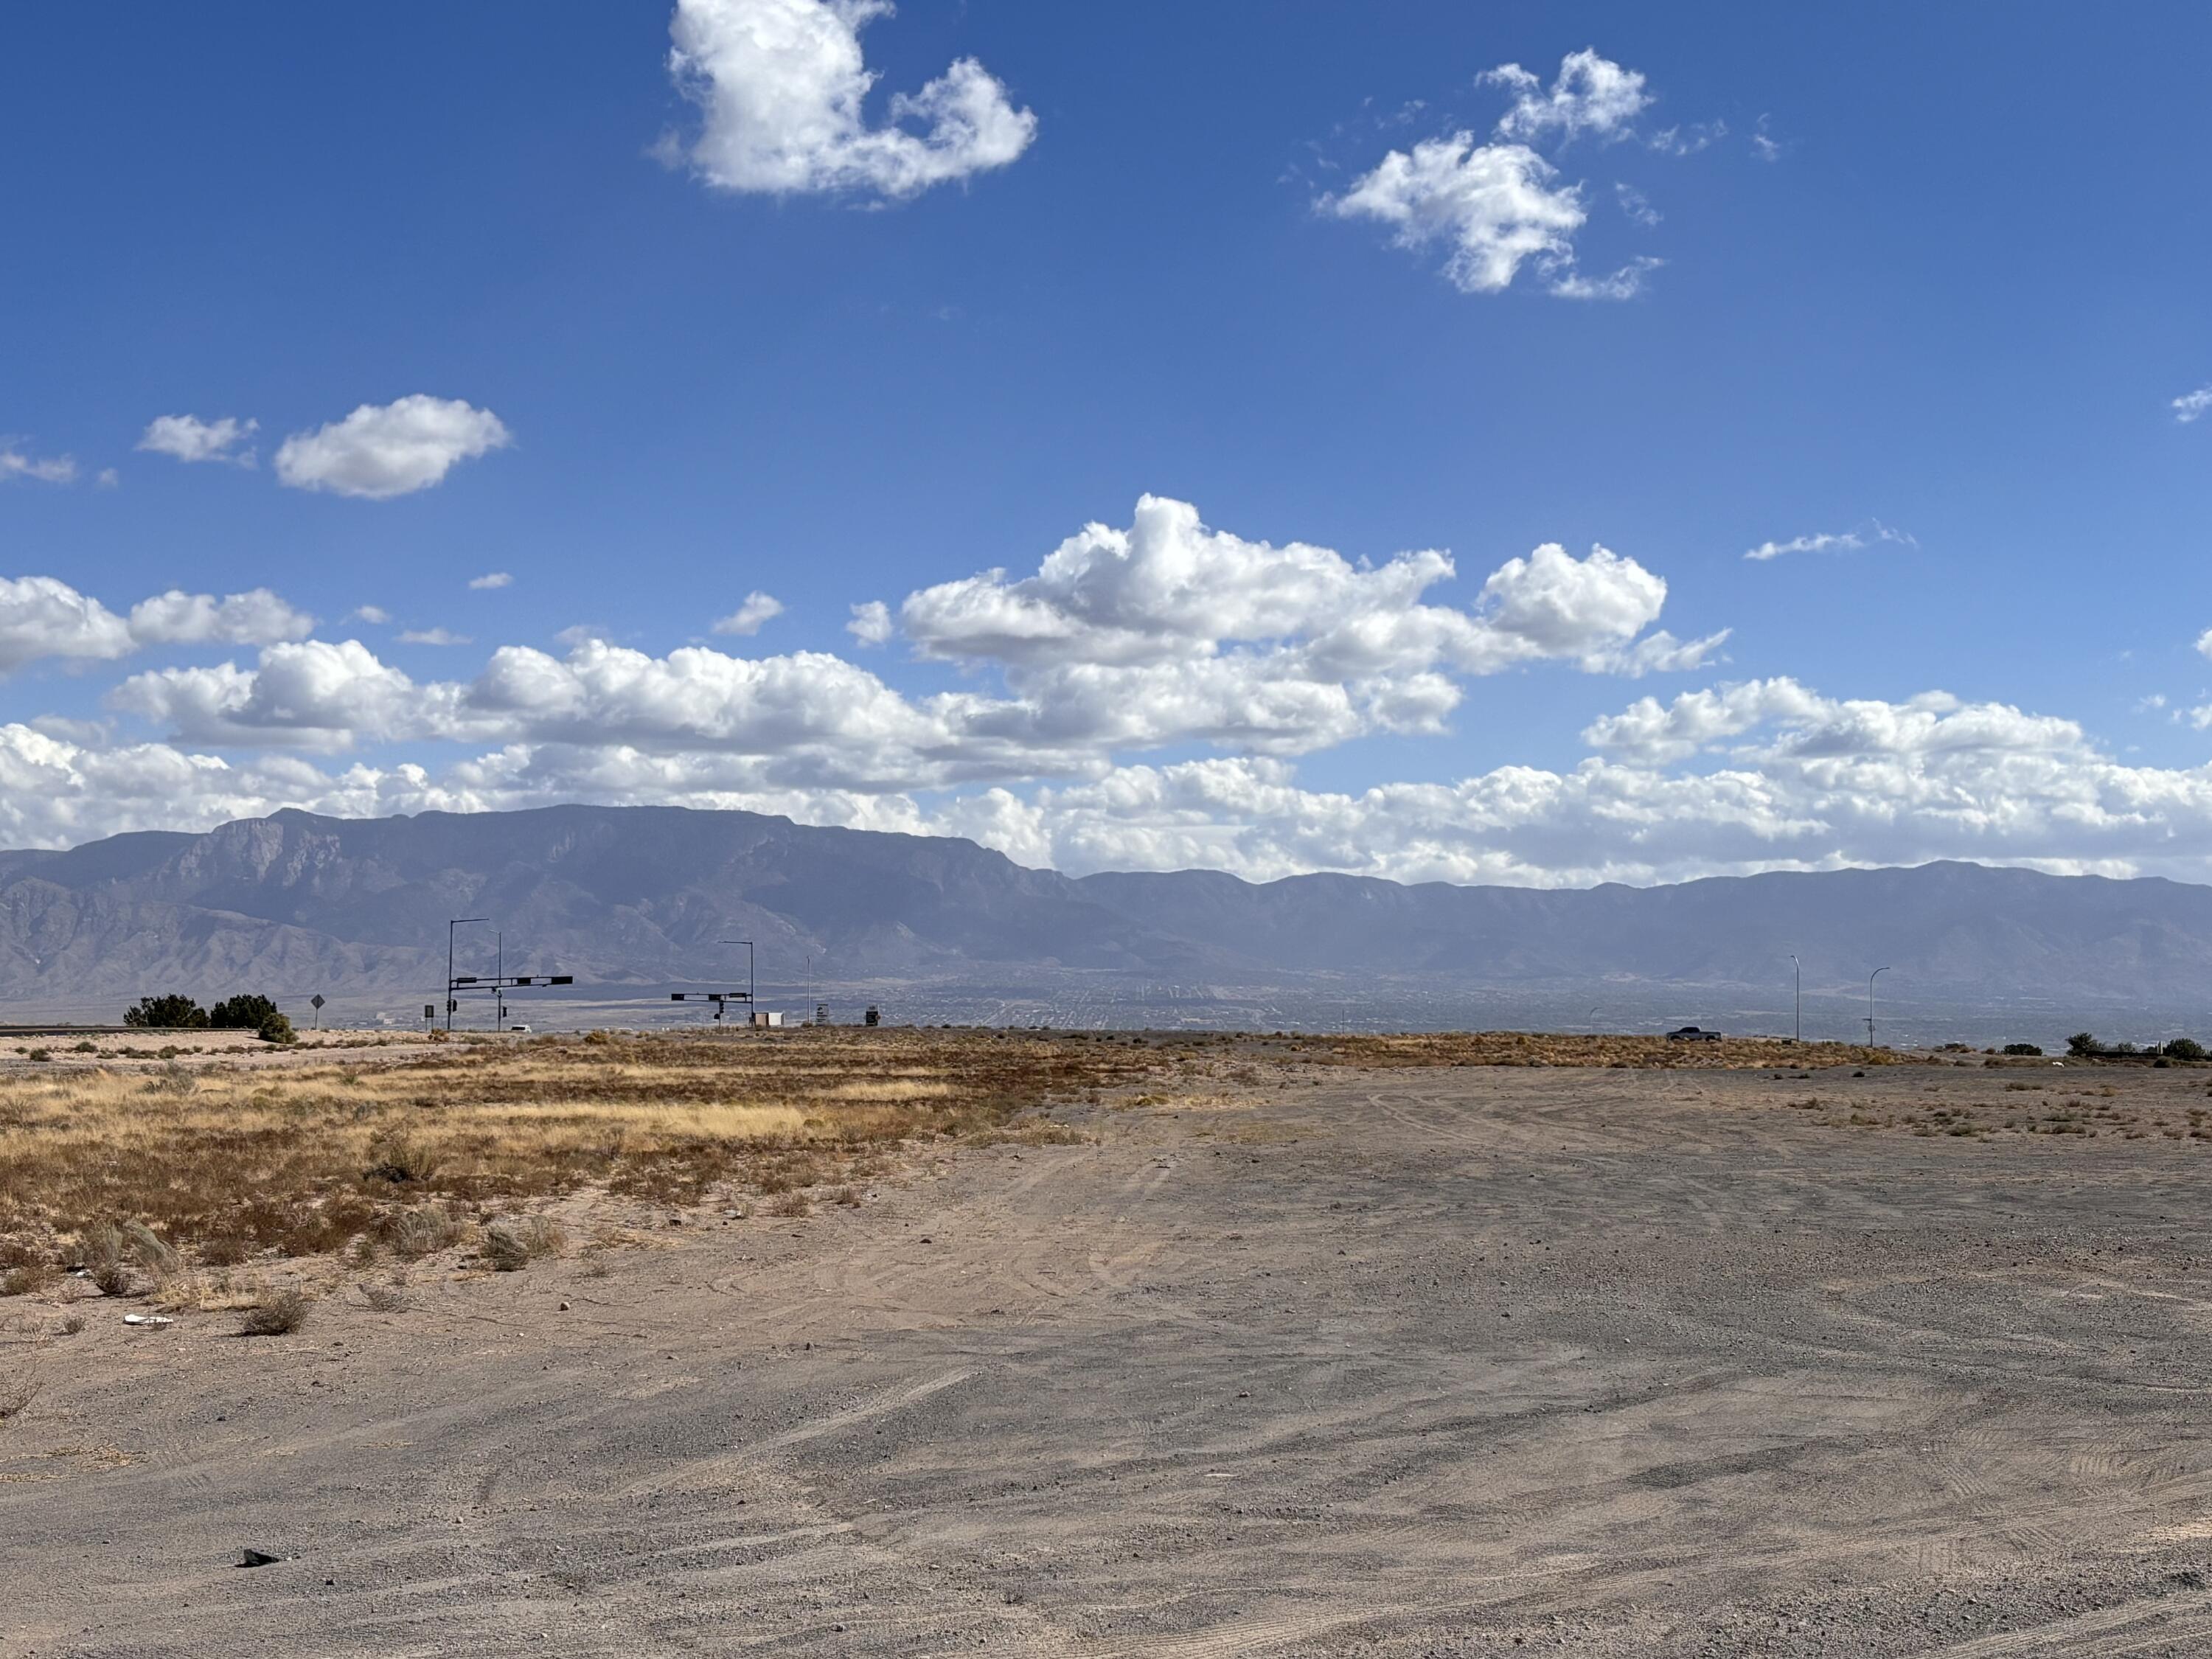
151	1176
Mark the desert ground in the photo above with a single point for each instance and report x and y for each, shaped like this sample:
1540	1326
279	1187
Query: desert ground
912	1344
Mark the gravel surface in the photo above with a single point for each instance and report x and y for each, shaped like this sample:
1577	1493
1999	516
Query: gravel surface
1404	1363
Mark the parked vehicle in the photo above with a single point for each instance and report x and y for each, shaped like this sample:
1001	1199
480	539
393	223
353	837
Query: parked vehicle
1692	1034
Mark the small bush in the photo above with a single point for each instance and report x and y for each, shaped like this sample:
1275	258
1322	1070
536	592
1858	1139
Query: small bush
87	1048
2027	1049
40	1055
401	1160
2186	1049
418	1233
510	1246
2083	1045
278	1028
279	1314
385	1299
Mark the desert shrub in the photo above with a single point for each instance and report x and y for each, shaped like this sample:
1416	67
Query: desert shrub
791	1204
26	1279
279	1314
170	1013
385	1299
87	1048
40	1055
511	1245
2186	1049
18	1389
402	1160
2083	1044
414	1234
2023	1049
276	1028
241	1013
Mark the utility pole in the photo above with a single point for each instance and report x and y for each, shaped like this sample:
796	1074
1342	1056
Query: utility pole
1870	1004
456	922
1799	967
752	1001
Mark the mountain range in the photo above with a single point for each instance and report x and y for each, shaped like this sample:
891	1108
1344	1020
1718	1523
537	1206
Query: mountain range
630	897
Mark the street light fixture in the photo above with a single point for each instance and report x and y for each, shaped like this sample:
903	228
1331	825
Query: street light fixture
1870	1004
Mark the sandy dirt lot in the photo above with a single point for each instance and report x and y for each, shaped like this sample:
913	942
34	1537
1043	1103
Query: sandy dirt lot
1342	1360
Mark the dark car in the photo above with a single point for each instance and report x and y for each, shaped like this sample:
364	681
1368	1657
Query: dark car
1692	1034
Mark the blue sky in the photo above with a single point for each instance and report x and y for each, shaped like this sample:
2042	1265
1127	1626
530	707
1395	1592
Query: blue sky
1925	282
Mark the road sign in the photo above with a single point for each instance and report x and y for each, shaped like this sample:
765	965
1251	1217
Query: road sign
316	1003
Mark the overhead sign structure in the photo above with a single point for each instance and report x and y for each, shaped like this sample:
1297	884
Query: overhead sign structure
721	1000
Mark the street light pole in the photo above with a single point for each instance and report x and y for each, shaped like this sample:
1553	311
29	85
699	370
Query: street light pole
1799	967
456	922
750	1005
1870	1004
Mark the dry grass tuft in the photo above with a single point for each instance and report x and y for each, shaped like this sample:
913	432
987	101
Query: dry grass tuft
18	1389
279	1314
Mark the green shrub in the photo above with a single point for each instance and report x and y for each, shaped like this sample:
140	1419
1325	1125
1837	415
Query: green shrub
2184	1048
278	1028
2083	1045
2023	1049
171	1012
241	1013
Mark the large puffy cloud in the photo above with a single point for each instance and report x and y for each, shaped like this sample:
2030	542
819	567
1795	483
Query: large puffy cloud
780	86
45	617
380	450
1169	630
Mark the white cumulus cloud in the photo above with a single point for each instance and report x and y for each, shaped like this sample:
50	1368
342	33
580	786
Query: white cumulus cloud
750	618
490	581
380	450
258	617
188	438
1495	206
782	87
872	623
1591	94
43	617
2191	405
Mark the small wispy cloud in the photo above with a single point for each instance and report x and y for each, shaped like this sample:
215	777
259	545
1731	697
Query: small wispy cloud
373	614
1763	145
2191	405
433	636
188	438
748	619
1872	534
50	469
1635	205
491	579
